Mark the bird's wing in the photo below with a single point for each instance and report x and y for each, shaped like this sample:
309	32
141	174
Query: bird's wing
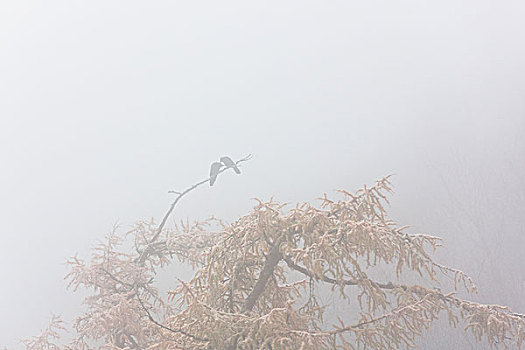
227	161
214	171
230	164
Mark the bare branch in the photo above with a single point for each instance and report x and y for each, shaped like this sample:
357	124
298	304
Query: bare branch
147	250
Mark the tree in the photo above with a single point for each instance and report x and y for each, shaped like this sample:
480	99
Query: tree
258	283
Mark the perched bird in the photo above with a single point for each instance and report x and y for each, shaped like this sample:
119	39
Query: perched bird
230	164
214	171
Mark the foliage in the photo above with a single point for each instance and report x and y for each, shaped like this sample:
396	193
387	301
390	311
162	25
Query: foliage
257	283
48	339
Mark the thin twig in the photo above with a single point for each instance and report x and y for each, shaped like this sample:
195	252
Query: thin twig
327	279
180	331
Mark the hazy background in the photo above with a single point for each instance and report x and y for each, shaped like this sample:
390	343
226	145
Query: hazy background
107	105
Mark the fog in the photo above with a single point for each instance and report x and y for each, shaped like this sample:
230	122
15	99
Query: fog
107	105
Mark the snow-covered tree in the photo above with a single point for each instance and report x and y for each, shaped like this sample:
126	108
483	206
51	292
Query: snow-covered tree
259	283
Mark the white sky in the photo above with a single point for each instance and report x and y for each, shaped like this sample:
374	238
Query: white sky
106	105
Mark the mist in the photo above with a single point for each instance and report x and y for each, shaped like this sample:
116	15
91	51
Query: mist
105	106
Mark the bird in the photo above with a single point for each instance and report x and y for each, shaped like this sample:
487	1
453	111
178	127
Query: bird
214	171
230	164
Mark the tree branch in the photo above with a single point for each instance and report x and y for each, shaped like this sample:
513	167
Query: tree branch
272	260
135	287
180	331
145	253
324	278
421	291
